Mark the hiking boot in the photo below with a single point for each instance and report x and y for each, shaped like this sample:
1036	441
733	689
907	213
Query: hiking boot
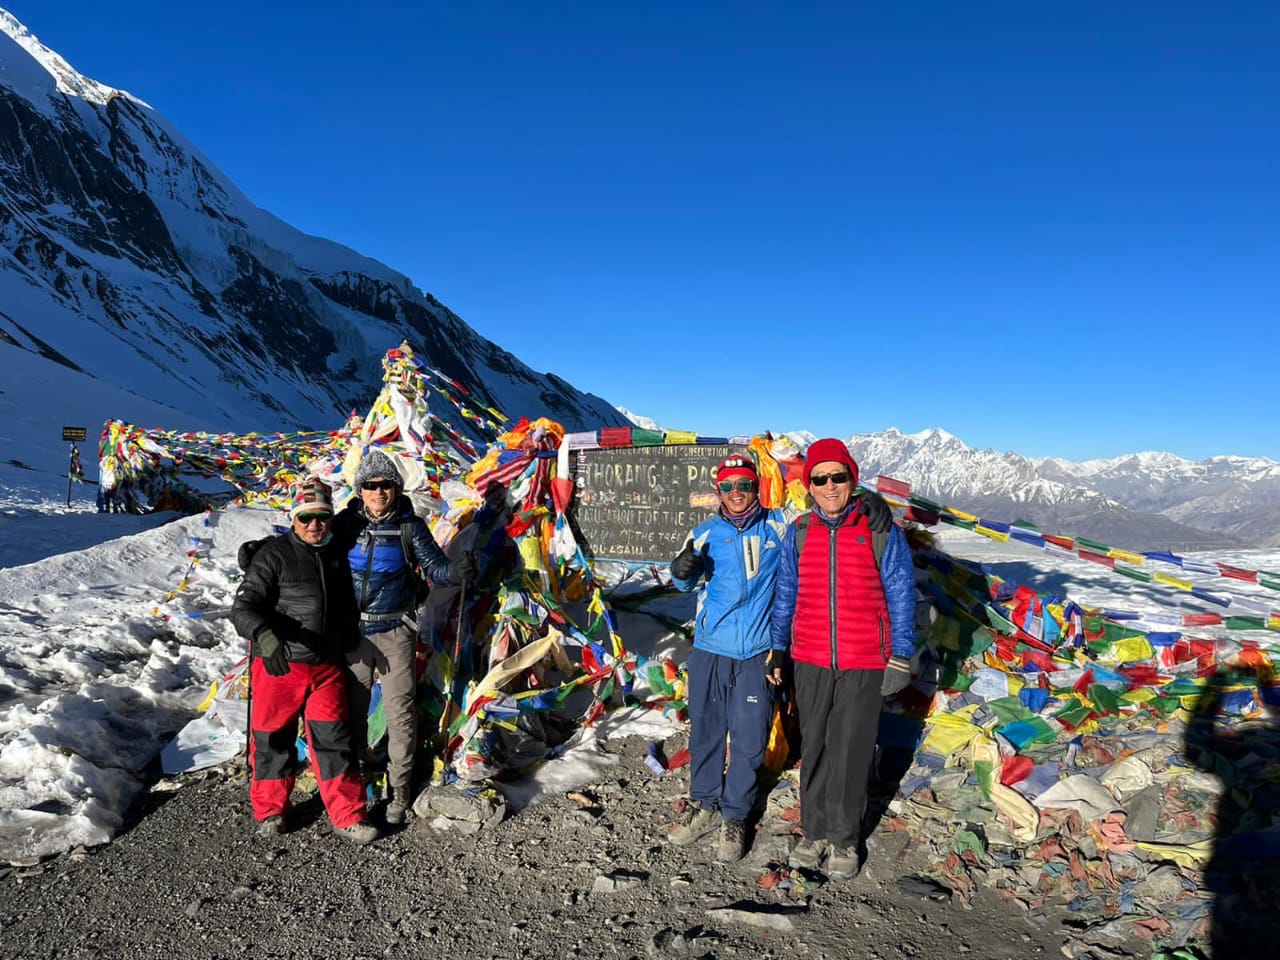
808	855
733	841
702	823
843	864
271	826
397	810
360	833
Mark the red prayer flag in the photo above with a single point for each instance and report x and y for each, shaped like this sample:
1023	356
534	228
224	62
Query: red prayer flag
1016	769
1238	573
1097	558
899	488
1201	619
615	436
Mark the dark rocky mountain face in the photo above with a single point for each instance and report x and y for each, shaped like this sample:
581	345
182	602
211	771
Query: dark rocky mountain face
129	257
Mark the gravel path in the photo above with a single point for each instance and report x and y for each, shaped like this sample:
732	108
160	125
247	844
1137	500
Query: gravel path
190	878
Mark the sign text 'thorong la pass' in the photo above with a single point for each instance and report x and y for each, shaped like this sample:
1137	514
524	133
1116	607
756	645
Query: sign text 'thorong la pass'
639	503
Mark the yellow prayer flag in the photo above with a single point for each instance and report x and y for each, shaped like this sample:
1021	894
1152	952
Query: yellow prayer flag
971	517
1138	695
1188	855
1171	580
999	535
1132	649
531	554
950	732
1136	559
681	436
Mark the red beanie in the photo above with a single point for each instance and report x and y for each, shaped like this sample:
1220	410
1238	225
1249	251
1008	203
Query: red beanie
829	450
736	466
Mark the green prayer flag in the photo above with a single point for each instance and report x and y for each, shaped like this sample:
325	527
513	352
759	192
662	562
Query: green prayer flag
1073	714
1104	699
1009	709
952	678
984	769
977	641
999	623
1246	623
968	840
1133	573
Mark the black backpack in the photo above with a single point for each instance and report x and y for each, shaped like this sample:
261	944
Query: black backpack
406	544
245	555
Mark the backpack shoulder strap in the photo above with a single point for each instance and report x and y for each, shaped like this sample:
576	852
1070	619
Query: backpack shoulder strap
406	544
802	530
878	542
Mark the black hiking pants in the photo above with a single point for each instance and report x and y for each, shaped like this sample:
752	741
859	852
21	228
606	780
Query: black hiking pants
839	719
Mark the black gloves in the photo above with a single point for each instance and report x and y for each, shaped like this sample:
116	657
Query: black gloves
873	507
687	564
463	570
897	676
271	651
775	666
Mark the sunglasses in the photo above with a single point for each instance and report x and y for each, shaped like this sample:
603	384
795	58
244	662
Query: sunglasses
306	519
377	485
742	486
836	478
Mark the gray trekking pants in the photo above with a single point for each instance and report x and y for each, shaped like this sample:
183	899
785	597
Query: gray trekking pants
392	654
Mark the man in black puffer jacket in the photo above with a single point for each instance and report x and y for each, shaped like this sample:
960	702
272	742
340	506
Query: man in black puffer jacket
296	608
373	530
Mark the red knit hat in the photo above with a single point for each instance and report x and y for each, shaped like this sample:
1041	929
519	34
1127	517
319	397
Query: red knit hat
736	466
831	450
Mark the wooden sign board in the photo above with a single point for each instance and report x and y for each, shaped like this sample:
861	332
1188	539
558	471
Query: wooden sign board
638	504
74	434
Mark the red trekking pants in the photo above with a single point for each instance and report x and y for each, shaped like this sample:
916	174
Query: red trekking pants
316	692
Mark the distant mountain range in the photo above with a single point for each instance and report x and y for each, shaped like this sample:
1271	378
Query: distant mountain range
129	259
1144	500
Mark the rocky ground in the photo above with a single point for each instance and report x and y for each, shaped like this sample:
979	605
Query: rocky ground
588	876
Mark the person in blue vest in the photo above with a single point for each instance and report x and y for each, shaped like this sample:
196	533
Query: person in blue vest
387	544
731	560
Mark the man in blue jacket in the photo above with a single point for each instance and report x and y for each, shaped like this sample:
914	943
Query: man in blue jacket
731	560
380	531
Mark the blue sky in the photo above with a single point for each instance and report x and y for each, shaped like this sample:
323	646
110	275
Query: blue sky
1046	228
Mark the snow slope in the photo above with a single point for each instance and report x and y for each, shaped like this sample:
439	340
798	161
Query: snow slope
92	682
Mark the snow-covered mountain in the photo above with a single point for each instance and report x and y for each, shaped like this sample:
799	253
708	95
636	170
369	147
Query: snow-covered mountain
639	420
129	260
1143	501
1239	496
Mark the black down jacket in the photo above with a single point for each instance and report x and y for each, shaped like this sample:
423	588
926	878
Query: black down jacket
303	594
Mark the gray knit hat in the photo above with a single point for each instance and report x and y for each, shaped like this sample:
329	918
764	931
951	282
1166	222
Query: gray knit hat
377	464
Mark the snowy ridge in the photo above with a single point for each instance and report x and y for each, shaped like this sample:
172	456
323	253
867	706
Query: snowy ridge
637	420
129	259
66	78
1148	500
